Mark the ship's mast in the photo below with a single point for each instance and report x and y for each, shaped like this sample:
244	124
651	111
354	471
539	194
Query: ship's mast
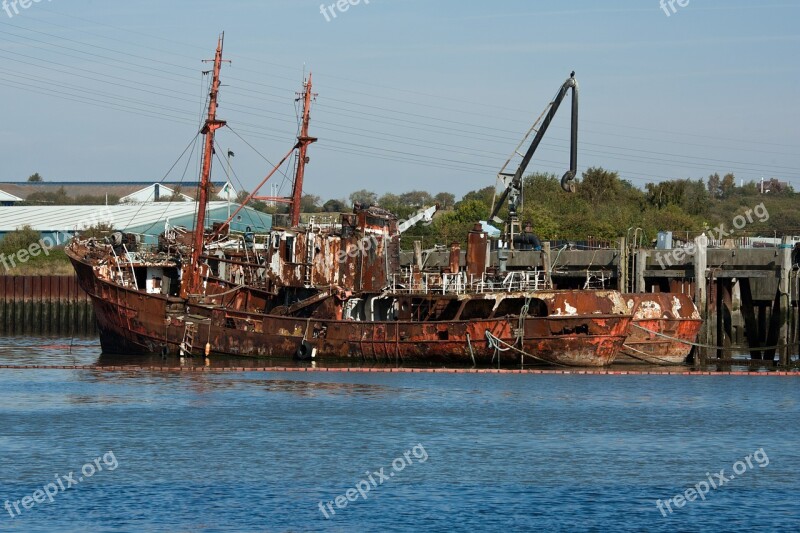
303	140
301	147
211	125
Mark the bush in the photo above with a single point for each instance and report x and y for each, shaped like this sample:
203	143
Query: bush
15	241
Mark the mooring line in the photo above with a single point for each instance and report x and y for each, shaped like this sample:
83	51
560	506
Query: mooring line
651	357
493	342
713	347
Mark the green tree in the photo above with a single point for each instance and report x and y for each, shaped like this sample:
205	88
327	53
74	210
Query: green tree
696	199
416	199
334	206
390	202
309	203
445	200
661	195
49	198
35	178
728	185
599	186
714	183
364	197
484	196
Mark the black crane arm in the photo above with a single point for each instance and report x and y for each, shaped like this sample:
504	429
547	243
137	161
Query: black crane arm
567	182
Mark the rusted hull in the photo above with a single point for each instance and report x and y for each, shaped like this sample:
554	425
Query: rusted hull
663	327
462	342
576	341
132	322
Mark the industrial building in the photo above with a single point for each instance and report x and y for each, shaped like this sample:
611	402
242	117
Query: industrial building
8	199
126	191
62	222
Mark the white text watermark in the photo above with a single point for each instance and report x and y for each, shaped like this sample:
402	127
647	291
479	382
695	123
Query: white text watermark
715	481
46	244
373	480
12	7
676	255
49	491
669	6
340	6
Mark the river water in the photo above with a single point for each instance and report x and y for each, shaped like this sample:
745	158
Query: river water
288	451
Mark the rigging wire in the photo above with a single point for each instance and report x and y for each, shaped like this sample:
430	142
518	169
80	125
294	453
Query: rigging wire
639	159
383	88
604	153
167	174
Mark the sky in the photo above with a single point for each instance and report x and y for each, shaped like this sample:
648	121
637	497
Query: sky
412	94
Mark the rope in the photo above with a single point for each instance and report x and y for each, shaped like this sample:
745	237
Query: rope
471	353
650	356
523	313
141	206
713	347
495	342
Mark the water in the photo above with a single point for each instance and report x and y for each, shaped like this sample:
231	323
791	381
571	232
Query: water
259	451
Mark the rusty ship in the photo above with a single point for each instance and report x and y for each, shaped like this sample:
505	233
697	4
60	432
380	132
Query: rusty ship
332	291
663	330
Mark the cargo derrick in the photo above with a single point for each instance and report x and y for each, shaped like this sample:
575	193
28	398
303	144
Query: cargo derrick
513	180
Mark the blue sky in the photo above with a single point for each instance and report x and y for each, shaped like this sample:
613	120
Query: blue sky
413	94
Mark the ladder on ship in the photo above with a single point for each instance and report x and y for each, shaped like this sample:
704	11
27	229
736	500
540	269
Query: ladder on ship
127	277
188	338
309	252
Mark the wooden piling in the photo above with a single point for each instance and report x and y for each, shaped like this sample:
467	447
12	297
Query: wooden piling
641	266
785	298
701	291
547	265
622	267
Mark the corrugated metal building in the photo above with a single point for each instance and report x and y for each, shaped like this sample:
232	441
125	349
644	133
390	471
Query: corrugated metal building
8	199
61	222
135	191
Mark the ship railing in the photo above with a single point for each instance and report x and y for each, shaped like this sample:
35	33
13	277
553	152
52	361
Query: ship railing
527	280
462	283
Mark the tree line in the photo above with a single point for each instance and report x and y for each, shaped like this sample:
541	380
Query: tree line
604	207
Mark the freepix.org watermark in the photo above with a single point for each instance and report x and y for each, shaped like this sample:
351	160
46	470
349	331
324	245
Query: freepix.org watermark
12	7
373	480
42	246
715	481
46	244
341	6
668	6
667	259
49	491
361	246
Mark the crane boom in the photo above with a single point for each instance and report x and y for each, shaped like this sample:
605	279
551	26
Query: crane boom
514	187
425	214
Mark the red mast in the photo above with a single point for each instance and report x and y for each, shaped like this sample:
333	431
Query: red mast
303	140
191	274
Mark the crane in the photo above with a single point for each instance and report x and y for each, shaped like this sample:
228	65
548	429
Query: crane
423	215
513	180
